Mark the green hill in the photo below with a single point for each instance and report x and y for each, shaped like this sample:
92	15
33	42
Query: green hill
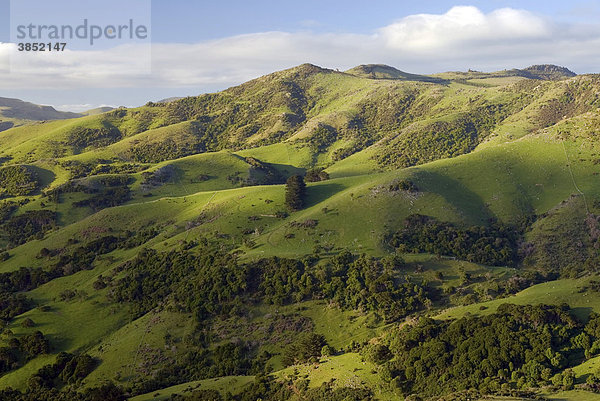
156	248
382	71
98	110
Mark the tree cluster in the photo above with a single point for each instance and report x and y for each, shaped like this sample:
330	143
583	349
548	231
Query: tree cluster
517	347
22	349
210	281
112	191
68	369
31	224
495	245
315	175
17	181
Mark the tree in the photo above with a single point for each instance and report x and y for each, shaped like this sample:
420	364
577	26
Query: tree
327	351
295	190
568	379
307	347
315	175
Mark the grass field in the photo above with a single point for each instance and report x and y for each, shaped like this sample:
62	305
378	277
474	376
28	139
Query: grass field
552	293
230	384
346	370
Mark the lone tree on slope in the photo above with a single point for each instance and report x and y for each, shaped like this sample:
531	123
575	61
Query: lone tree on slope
295	189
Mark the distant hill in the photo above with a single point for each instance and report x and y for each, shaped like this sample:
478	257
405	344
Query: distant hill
98	110
170	99
15	112
382	71
546	72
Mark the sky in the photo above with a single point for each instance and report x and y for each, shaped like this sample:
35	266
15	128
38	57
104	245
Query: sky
195	47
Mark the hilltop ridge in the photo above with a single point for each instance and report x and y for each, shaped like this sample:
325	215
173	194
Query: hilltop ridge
15	112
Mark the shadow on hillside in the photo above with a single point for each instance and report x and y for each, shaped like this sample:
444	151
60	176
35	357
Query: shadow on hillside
318	193
582	313
468	203
46	177
4	125
287	170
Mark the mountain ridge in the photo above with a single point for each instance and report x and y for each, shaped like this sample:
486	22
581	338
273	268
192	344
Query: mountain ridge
16	112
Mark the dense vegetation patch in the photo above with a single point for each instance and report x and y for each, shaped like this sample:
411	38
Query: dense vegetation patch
495	245
518	346
160	176
28	278
262	173
104	392
82	137
315	175
442	139
564	241
267	389
321	138
209	282
22	349
113	191
68	369
17	181
79	169
201	362
32	224
6	210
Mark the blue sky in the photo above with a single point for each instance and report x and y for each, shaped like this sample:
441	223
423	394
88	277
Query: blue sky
203	46
189	21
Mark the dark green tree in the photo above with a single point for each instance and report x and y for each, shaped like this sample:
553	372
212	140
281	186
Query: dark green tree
295	190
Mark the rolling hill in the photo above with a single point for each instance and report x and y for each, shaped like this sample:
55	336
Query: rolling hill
155	245
15	112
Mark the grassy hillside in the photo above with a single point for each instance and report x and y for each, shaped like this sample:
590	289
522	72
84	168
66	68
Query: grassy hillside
156	246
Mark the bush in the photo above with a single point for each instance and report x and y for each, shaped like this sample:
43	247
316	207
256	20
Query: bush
403	185
305	348
315	175
376	353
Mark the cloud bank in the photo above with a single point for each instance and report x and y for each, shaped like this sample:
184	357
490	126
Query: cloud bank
464	37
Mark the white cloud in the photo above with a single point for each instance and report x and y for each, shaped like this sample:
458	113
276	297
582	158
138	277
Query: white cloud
4	58
78	108
462	38
463	25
